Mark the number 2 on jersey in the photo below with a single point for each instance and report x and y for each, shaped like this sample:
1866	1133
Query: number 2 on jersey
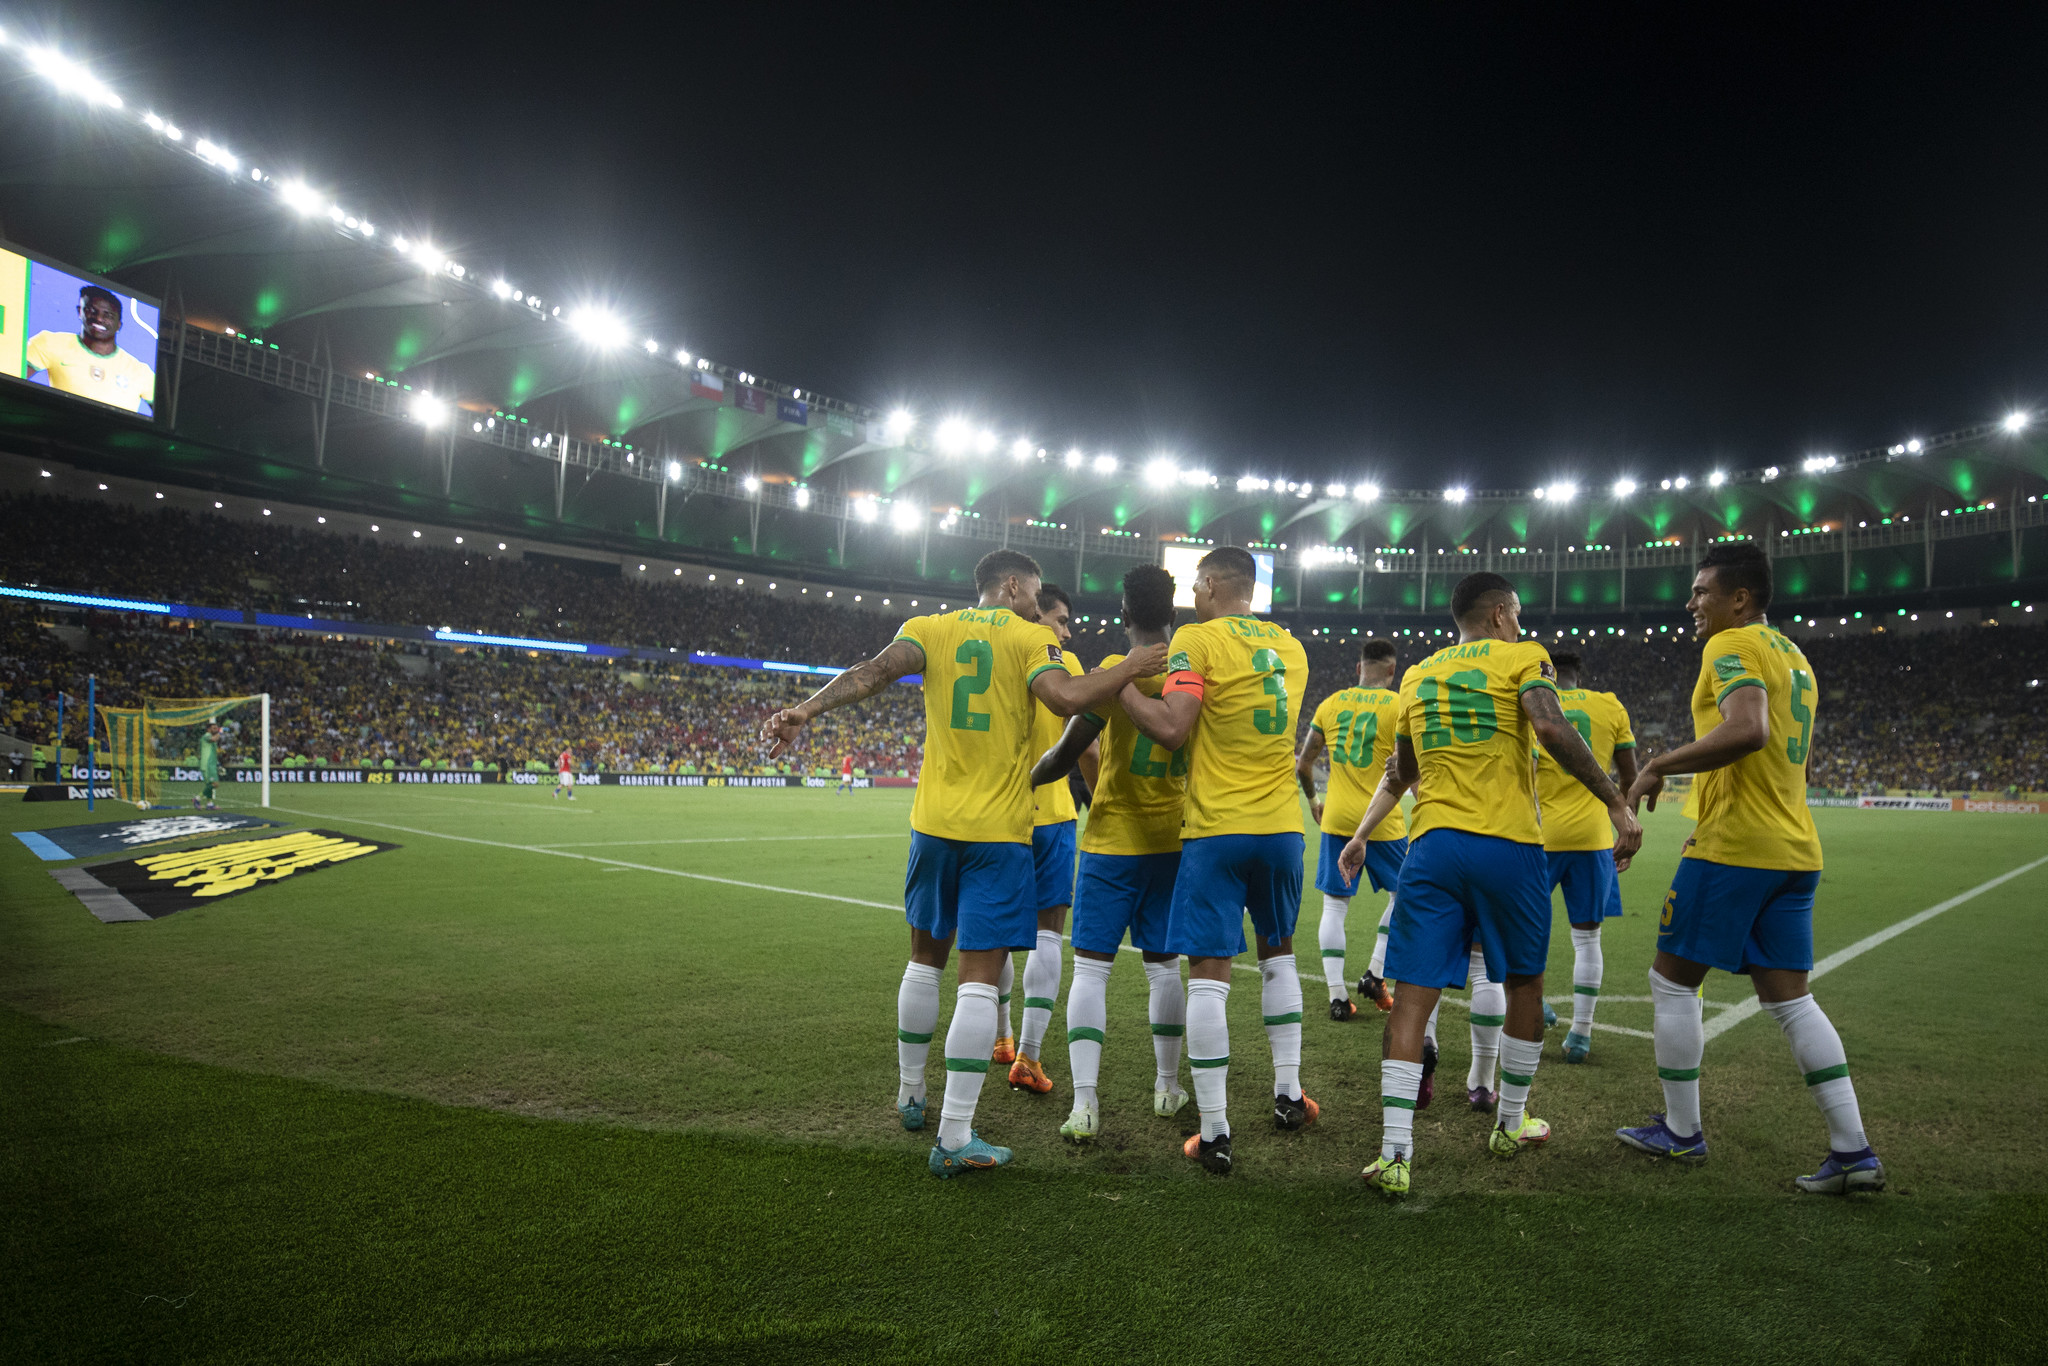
982	655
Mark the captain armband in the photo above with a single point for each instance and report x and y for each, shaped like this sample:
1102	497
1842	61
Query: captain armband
1183	680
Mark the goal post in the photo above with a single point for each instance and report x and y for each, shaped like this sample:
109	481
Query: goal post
168	750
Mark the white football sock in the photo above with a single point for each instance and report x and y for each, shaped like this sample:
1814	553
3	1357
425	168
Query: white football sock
1331	936
917	1019
1168	1011
1588	963
1489	1013
1041	991
1209	1052
1400	1084
1087	1017
970	1039
1378	966
1818	1053
1518	1059
1004	981
1429	1025
1280	1003
1680	1041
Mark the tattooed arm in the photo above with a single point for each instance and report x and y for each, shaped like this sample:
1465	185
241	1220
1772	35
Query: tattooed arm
856	684
1563	743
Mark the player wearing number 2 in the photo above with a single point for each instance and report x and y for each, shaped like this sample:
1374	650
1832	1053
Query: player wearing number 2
1475	868
1742	900
1231	682
970	870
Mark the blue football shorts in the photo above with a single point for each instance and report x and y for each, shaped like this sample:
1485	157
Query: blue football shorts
1458	889
1382	865
1222	879
1120	892
979	890
1592	892
1736	918
1052	864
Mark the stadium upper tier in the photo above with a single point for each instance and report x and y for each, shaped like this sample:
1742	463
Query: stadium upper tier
336	355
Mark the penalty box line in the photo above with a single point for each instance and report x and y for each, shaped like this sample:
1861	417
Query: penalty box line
1722	1023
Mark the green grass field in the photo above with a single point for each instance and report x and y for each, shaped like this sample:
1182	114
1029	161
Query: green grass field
601	1083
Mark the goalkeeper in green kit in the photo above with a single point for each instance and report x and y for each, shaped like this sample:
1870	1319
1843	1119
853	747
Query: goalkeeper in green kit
209	764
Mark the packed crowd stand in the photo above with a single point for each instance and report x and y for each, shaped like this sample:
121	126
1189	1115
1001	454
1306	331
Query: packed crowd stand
1951	711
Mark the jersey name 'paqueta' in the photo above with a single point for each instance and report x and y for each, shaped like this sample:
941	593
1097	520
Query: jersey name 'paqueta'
1573	818
1357	726
1241	751
1054	802
1462	711
1139	788
1753	813
978	712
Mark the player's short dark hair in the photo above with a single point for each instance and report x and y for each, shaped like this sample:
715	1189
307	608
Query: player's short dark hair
99	292
1477	593
1148	598
1050	593
1740	564
1568	661
1378	647
998	565
1231	562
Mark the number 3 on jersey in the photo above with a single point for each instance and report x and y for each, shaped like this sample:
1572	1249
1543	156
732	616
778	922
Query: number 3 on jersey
1274	670
982	655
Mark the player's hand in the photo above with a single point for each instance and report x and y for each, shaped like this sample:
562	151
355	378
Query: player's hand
1628	834
1648	787
780	731
1146	660
1315	809
1394	770
1352	859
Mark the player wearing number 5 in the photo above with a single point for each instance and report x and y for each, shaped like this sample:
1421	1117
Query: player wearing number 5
1742	900
1228	701
1475	870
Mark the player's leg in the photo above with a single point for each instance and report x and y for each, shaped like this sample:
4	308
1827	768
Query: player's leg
1429	1057
931	889
1383	859
1489	1013
1512	898
995	919
1206	924
1426	950
1780	943
1006	1034
1052	857
1337	892
1166	1004
1694	933
1592	894
1273	901
1102	897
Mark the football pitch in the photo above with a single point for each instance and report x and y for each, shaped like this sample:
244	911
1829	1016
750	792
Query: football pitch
613	1082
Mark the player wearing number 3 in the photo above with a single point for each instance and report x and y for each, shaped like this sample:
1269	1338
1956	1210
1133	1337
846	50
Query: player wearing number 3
1475	870
1231	681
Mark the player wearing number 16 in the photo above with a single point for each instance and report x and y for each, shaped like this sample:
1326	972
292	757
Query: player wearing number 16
1229	699
1742	900
1475	871
970	871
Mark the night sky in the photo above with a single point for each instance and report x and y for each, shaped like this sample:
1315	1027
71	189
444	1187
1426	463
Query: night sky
1497	244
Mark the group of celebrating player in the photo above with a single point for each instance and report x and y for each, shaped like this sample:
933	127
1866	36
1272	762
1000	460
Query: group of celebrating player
1187	745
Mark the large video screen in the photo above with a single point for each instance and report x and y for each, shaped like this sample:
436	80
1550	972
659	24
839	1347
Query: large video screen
1181	561
77	334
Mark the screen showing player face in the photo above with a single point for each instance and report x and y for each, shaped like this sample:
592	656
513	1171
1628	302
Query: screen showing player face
1180	561
77	335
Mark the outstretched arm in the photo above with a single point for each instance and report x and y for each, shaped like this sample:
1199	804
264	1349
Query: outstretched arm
897	660
1745	728
1402	771
1077	739
1305	770
1562	741
1066	695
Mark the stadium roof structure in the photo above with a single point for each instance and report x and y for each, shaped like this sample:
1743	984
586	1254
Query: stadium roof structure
330	352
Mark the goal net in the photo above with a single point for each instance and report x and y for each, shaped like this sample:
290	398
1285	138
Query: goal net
170	750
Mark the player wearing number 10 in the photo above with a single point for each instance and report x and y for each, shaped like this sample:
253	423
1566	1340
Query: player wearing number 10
1231	682
970	871
1742	900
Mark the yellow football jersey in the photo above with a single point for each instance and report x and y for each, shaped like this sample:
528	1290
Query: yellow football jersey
1241	751
1141	787
1753	813
1572	818
1462	711
119	380
1358	734
978	712
1054	802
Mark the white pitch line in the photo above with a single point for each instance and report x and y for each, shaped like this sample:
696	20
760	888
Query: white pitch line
725	839
1721	1024
591	858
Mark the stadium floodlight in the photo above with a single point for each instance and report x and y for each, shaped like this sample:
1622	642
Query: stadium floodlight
596	326
428	410
900	423
803	497
1365	493
675	470
1335	490
2016	421
71	77
1818	464
1624	487
985	442
1021	448
954	436
299	197
683	358
1681	482
1716	479
1914	446
215	155
651	346
1196	478
751	484
865	509
1105	464
1455	495
502	288
1075	459
904	517
1160	473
